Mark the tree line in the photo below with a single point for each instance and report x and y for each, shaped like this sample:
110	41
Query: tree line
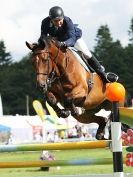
18	80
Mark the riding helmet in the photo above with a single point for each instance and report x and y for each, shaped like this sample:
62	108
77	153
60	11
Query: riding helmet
56	12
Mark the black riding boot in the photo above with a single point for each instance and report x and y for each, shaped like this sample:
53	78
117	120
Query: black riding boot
99	69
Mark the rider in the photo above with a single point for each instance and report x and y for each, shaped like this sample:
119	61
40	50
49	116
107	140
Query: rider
68	35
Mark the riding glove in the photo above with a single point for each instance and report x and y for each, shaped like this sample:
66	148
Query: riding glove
60	44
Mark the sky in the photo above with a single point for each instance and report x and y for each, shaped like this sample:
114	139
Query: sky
20	20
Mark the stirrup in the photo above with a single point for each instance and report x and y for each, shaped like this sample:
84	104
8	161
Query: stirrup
110	76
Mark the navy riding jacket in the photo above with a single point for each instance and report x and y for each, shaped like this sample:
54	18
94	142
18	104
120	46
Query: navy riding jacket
68	32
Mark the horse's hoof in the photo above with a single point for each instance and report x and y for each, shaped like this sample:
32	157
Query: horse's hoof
75	112
64	113
100	136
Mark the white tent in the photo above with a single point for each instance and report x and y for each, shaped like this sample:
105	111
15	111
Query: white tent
21	131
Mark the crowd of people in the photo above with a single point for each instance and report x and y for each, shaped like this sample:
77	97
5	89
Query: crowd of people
78	132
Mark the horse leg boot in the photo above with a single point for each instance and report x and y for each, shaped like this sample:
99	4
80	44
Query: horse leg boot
53	103
99	69
69	104
63	113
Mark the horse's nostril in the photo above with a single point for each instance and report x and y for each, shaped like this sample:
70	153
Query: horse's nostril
42	85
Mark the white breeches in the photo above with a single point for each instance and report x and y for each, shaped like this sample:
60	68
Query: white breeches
81	46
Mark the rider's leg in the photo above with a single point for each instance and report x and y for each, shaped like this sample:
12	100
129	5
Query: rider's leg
94	63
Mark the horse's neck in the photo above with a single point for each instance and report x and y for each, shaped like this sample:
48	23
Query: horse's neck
59	58
57	71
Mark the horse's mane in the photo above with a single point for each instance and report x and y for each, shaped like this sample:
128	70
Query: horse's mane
46	41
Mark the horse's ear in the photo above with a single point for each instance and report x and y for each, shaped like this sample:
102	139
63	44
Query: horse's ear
30	46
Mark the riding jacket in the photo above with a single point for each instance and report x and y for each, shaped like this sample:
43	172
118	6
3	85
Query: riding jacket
68	32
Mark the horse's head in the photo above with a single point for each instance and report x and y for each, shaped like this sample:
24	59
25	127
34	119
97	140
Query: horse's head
42	58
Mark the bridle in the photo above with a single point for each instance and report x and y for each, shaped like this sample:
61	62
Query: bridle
51	76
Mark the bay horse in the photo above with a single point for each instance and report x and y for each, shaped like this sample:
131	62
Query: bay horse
63	79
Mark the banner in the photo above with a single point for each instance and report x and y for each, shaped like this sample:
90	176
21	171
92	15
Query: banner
39	109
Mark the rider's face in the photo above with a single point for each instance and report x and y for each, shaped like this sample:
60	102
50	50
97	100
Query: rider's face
58	22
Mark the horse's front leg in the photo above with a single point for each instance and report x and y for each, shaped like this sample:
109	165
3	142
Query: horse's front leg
75	98
75	111
52	101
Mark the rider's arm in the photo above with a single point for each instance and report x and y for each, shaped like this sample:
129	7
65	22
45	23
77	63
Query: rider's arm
45	26
70	32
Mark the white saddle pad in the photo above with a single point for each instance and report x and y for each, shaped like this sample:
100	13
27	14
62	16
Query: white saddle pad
73	50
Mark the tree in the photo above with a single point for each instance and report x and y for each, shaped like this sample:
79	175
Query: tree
17	81
129	63
130	32
109	51
103	42
5	57
103	49
115	58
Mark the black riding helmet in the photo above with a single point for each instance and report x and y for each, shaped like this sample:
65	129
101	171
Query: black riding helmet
56	12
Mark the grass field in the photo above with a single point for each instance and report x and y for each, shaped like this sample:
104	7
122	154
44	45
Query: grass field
59	155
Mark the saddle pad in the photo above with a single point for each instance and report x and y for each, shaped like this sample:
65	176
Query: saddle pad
73	50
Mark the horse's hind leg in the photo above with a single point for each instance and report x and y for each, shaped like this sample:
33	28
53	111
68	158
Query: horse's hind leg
101	121
90	117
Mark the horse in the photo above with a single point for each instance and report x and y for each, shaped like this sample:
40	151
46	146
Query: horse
64	80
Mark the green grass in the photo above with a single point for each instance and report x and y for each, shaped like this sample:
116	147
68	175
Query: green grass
59	155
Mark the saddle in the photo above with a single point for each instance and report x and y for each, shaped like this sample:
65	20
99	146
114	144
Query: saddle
80	57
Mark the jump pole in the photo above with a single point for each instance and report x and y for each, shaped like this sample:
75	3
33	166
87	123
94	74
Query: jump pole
47	163
115	92
56	146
